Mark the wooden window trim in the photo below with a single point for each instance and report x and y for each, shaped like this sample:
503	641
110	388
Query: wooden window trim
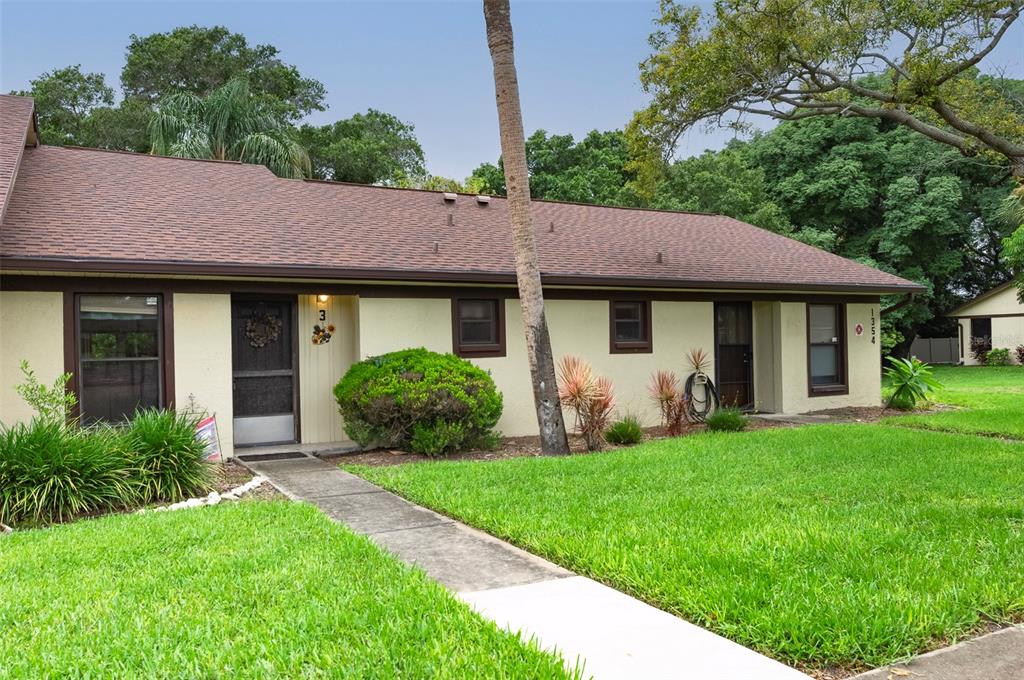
645	347
478	351
843	386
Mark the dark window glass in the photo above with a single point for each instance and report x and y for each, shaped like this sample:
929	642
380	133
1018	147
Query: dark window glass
120	352
981	333
631	326
478	322
825	335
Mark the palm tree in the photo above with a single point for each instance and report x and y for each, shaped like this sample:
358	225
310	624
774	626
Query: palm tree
517	184
227	124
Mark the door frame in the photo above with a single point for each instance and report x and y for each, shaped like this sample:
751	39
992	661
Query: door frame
293	310
749	307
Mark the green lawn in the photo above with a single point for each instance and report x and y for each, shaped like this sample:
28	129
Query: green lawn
991	397
834	544
247	590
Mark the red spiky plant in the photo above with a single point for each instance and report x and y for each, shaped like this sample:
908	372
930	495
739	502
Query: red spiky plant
671	400
590	398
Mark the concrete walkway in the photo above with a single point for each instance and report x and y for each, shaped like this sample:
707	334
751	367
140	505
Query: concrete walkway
609	633
996	656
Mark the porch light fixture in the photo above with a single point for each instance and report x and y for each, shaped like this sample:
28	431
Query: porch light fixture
323	298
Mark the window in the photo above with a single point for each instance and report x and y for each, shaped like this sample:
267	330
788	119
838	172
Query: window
981	335
630	326
119	353
478	327
826	350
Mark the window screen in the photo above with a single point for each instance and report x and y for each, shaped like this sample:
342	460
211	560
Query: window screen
825	336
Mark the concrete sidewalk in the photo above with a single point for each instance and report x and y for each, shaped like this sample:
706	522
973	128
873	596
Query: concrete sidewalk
610	634
996	656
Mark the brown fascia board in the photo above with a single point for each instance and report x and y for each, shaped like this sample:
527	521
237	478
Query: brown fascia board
293	271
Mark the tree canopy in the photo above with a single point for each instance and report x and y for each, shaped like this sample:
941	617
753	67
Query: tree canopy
369	148
795	59
197	60
228	124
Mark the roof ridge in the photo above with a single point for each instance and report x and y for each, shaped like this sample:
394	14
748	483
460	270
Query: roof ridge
72	147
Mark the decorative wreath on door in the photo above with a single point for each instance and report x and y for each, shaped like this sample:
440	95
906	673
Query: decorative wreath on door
263	329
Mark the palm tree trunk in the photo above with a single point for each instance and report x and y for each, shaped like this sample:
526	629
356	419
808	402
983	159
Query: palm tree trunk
553	439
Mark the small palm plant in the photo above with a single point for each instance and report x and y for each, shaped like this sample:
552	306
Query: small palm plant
672	401
590	397
228	124
909	382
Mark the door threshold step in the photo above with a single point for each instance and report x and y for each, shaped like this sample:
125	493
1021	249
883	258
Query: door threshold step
279	455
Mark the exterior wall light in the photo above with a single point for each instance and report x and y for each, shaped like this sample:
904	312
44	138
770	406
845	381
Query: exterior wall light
323	298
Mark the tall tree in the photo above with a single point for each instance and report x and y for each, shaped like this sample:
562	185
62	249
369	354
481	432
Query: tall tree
228	124
553	437
197	60
369	148
65	98
795	59
592	170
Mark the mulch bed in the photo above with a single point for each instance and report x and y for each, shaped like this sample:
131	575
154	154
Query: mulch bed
230	474
514	447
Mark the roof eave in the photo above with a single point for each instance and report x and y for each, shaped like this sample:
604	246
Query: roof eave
293	271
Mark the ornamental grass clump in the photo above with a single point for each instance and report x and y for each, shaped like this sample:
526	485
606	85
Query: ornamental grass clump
50	472
166	457
908	382
625	431
420	401
589	397
727	419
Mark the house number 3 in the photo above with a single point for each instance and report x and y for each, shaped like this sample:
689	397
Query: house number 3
323	315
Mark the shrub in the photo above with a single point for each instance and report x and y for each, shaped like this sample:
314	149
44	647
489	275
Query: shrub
166	457
624	431
979	349
590	397
908	382
50	472
1020	354
418	400
671	399
727	419
998	357
51	403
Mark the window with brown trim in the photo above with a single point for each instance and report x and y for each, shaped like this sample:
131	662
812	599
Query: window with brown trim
478	327
120	355
826	349
630	326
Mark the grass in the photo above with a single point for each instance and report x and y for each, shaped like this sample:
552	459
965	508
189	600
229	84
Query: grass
991	400
247	590
828	545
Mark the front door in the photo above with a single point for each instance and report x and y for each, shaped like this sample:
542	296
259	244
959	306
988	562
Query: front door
734	353
263	361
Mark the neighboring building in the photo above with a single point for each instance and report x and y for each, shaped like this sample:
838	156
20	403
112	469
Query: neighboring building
156	281
994	319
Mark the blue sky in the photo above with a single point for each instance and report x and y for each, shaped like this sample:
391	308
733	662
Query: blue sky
426	62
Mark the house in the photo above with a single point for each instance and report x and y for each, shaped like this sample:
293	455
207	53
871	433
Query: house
159	281
994	319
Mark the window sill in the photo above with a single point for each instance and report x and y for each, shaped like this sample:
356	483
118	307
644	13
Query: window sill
828	390
622	348
482	352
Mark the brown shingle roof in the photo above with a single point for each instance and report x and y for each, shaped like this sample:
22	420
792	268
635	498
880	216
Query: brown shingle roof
17	125
111	211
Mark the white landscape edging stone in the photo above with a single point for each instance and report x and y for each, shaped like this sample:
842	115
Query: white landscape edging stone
213	498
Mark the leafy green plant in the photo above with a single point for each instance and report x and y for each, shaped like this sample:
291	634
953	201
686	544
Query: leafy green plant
908	381
166	458
50	472
590	397
727	419
386	400
625	431
50	403
998	357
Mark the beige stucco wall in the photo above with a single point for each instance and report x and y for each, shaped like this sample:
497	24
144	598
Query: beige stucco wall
864	359
322	366
31	328
577	326
1007	332
1003	302
202	358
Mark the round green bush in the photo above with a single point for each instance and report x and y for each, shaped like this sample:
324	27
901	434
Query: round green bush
728	419
420	401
